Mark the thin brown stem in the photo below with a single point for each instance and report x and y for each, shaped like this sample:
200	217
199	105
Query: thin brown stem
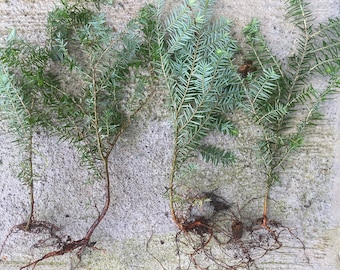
103	211
30	182
171	191
265	207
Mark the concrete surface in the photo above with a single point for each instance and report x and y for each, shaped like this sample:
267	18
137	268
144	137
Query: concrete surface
137	232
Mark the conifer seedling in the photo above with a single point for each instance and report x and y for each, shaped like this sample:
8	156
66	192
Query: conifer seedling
23	67
196	52
280	97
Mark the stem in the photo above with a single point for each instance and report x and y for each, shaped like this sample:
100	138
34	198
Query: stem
30	183
171	190
104	158
174	159
102	213
265	206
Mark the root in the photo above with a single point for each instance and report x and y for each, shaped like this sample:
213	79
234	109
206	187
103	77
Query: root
222	241
36	227
66	249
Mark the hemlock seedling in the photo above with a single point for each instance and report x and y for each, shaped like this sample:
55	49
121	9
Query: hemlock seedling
195	63
274	92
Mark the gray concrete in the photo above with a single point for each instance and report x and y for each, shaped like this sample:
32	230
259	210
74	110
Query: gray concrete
307	199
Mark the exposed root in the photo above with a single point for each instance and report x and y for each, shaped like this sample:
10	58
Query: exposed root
35	227
224	240
81	244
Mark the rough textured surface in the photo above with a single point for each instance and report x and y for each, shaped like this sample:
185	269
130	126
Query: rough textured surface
307	199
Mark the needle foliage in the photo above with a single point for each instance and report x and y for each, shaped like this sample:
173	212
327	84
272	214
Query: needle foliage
88	82
85	86
94	108
196	52
22	87
280	96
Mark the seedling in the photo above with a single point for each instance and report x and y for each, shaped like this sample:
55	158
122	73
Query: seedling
196	55
94	111
195	62
21	84
280	97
